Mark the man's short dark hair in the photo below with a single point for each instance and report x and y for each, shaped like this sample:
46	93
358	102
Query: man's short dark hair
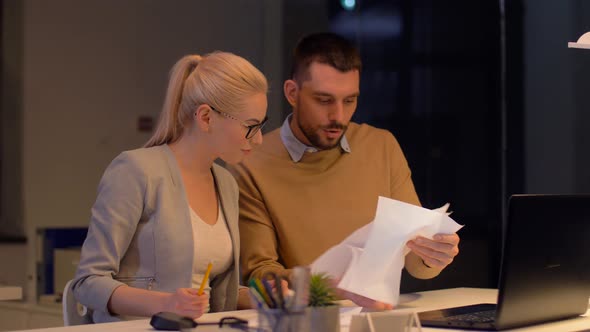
326	48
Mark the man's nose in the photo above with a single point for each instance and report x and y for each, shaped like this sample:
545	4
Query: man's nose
337	113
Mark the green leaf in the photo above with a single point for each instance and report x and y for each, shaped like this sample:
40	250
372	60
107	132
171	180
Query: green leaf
321	292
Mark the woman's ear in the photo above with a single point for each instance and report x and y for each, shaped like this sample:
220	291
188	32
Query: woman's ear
291	90
202	116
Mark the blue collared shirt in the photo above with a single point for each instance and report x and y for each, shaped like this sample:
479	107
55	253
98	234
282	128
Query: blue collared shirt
296	148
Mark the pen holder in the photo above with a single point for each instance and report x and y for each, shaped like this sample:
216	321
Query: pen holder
278	320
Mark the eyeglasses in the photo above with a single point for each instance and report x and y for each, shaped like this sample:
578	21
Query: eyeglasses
252	129
230	322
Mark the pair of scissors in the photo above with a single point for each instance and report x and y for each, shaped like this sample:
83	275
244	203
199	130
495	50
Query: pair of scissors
277	295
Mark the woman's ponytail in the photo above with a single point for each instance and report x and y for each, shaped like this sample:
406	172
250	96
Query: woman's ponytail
170	123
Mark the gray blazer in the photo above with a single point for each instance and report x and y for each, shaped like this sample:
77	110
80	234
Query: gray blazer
140	233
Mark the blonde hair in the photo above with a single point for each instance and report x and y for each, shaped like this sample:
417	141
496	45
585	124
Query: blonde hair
220	79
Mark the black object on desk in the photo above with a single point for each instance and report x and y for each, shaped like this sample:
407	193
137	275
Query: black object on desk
545	274
169	321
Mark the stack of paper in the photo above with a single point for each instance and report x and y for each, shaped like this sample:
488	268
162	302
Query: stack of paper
369	262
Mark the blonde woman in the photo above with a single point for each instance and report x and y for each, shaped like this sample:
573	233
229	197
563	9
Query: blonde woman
165	211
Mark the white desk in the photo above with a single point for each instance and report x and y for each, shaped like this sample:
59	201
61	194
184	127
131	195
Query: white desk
10	293
409	302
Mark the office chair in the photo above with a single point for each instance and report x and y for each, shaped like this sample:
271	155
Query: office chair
74	313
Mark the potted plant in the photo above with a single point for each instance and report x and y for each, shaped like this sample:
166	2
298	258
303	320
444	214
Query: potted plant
324	312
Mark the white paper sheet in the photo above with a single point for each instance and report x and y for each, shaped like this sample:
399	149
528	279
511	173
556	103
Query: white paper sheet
369	262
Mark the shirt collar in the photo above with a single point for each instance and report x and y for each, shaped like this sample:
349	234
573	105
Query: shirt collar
296	148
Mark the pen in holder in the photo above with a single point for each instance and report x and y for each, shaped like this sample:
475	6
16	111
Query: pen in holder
309	306
281	309
272	316
272	320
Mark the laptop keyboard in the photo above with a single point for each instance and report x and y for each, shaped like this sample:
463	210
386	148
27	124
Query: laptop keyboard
487	316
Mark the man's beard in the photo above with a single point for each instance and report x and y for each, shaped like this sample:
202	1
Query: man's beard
314	137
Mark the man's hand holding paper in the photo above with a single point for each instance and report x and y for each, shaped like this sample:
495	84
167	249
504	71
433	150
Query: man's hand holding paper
369	262
438	252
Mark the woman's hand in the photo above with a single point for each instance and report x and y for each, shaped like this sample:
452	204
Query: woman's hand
187	302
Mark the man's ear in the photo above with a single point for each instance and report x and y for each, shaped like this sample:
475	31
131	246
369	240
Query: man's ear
291	90
202	116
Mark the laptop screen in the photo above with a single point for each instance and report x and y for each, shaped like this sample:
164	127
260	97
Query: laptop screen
545	272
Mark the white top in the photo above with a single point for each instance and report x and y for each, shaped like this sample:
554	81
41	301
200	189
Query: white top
212	244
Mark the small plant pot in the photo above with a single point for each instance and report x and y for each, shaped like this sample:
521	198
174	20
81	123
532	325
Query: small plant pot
325	319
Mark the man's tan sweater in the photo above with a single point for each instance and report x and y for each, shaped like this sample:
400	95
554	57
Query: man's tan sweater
291	212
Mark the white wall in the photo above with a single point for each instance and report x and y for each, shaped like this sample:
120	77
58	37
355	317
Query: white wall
90	68
14	267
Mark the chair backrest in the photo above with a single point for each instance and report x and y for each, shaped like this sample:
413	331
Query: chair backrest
74	312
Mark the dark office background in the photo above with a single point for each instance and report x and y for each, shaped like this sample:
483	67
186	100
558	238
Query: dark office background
448	79
484	97
432	77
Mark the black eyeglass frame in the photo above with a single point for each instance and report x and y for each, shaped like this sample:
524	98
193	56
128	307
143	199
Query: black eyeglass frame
230	321
252	129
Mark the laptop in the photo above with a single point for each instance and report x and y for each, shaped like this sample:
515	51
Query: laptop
545	271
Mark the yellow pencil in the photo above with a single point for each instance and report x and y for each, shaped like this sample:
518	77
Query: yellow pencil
205	278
